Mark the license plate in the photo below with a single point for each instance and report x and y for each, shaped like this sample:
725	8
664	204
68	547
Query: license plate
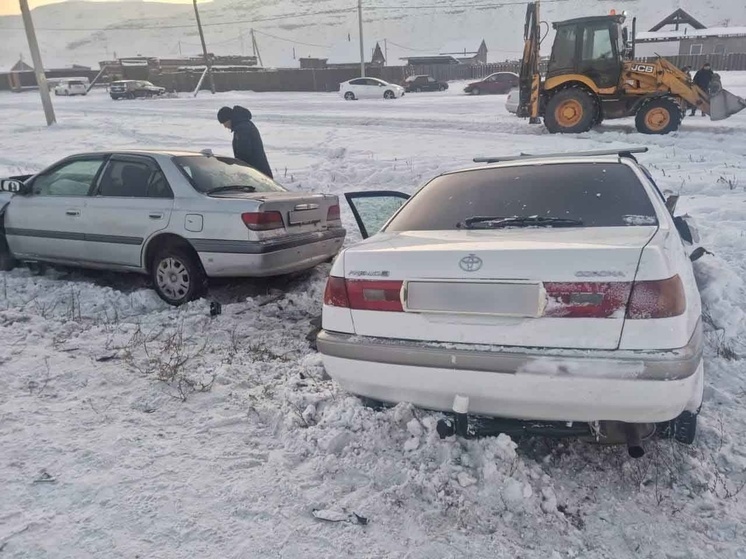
300	217
517	299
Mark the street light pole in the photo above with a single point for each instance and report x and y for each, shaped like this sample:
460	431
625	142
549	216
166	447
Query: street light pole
362	48
204	48
41	78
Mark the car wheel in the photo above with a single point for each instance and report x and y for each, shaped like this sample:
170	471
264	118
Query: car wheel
388	94
476	91
57	93
7	262
441	88
418	90
177	275
682	429
349	96
37	268
130	96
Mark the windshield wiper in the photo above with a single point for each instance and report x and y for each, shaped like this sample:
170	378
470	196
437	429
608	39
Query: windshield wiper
230	187
496	222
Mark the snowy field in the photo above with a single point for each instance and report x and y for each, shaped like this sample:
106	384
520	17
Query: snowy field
111	444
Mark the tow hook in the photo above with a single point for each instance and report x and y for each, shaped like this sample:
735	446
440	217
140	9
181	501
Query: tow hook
460	424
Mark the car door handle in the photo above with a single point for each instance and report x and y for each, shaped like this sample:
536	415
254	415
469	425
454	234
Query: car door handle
155	216
73	213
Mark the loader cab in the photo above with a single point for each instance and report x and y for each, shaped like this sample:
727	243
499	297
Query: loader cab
589	46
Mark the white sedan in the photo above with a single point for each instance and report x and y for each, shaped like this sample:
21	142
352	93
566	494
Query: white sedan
511	103
553	289
369	88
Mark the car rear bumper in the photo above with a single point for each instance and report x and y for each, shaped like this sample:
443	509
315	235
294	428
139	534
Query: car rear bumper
632	386
222	258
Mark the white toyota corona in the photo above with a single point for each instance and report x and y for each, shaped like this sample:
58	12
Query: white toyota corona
556	289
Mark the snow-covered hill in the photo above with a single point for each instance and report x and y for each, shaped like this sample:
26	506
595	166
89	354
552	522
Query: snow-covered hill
86	32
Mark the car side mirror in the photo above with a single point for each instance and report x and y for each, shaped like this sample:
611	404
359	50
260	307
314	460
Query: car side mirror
671	200
13	186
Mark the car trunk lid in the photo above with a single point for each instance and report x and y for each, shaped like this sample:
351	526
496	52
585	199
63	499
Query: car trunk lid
538	287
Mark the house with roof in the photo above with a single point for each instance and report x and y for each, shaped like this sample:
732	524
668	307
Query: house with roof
466	51
681	34
346	54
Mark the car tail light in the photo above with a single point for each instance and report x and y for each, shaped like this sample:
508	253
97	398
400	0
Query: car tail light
335	294
333	213
262	221
366	295
587	299
363	295
657	299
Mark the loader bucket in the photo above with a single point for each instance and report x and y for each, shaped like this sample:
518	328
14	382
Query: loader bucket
723	103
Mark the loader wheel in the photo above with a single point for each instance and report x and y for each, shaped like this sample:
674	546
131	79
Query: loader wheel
659	116
571	111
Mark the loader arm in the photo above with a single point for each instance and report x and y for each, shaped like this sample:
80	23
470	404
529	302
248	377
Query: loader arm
530	79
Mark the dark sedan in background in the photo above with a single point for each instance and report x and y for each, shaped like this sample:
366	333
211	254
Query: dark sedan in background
498	83
416	84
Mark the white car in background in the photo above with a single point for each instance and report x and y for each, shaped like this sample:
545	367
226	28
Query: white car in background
511	103
551	289
71	87
369	88
181	217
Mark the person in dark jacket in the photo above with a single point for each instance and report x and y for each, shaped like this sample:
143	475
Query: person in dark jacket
703	78
247	142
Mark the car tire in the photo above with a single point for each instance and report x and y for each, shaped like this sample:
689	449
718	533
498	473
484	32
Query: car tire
7	262
476	91
177	275
418	90
682	429
571	111
388	94
441	88
129	96
349	96
659	116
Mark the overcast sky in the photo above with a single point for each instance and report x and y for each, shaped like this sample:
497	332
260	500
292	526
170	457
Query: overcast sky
11	6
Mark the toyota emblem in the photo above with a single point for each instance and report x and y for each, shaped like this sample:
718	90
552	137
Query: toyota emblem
470	263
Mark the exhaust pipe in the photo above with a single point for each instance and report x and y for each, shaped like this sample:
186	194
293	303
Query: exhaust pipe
634	442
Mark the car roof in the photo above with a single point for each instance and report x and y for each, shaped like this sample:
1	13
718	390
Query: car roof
552	160
146	152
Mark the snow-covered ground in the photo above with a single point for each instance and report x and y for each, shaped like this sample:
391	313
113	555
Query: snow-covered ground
99	457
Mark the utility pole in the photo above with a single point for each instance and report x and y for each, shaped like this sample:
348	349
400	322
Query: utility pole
386	52
362	49
41	78
204	48
255	47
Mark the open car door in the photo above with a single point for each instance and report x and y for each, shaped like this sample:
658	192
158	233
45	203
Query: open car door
372	209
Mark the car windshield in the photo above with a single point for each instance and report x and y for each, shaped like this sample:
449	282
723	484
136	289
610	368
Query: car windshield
558	195
222	174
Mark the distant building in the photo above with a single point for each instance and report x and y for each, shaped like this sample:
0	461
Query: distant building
346	54
466	51
430	60
682	34
22	76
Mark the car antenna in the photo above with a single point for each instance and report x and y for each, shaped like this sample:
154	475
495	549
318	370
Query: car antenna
207	152
623	152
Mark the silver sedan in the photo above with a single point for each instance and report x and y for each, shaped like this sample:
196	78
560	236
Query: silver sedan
181	217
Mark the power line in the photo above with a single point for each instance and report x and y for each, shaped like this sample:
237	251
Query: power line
185	26
291	40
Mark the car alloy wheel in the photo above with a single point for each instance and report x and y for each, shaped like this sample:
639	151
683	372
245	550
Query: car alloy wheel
476	91
349	96
389	94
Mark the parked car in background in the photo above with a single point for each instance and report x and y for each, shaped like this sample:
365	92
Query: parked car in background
499	83
416	84
511	103
131	89
71	87
181	217
554	289
369	88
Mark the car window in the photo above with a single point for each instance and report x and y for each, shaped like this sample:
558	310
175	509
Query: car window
70	179
208	173
599	195
133	179
77	83
374	83
358	82
597	43
431	80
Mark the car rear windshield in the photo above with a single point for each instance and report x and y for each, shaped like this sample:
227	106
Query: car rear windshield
596	195
77	83
210	173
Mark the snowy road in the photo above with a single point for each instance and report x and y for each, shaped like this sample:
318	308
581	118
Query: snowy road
98	458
